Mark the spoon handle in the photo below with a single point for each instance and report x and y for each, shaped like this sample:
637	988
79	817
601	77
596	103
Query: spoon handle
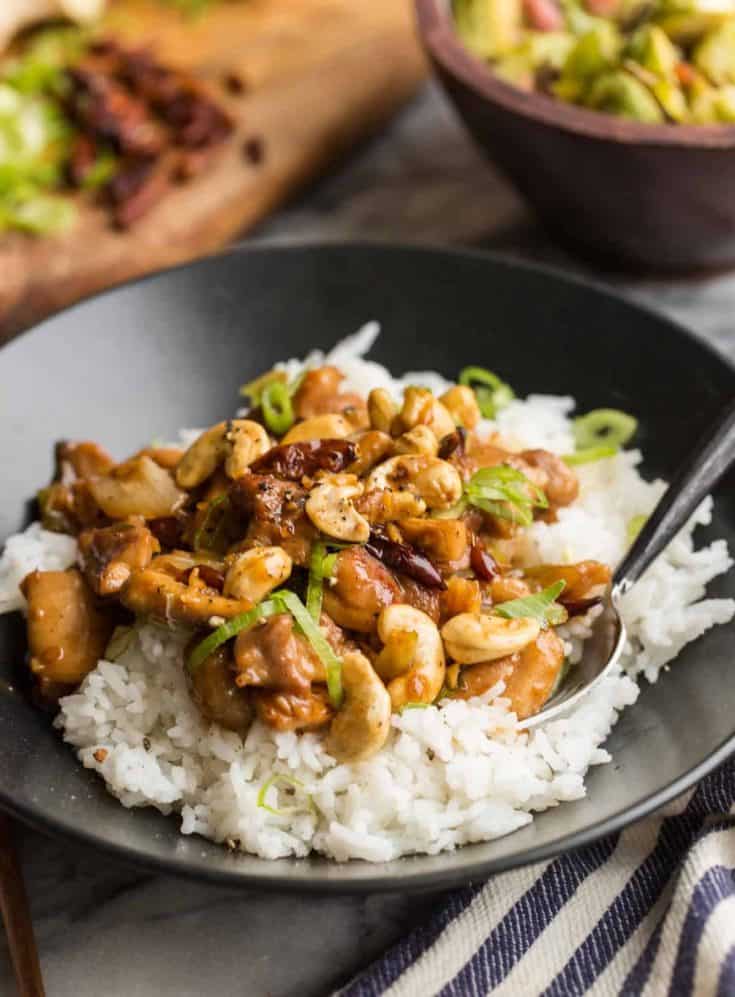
695	478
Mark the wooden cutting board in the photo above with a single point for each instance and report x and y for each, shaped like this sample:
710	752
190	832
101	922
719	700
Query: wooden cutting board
320	74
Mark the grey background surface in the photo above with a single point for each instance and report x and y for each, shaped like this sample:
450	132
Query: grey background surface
107	930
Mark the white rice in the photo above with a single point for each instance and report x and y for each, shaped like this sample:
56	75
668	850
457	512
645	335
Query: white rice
448	775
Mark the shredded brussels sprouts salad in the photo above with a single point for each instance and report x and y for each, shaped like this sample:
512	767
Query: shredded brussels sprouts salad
653	61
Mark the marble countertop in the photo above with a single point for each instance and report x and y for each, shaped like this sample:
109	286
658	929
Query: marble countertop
107	930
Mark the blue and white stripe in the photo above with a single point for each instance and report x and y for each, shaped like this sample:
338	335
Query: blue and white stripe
649	911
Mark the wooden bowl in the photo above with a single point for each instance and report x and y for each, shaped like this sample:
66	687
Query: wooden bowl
654	197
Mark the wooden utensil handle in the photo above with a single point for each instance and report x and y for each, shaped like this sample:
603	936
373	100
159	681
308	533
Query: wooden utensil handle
17	916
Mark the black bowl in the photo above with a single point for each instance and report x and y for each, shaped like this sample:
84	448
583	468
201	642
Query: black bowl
170	351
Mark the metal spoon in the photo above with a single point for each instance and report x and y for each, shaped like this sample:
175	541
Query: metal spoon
695	478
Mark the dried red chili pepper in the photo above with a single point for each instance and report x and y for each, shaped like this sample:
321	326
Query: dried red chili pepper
483	563
405	559
453	444
167	530
293	461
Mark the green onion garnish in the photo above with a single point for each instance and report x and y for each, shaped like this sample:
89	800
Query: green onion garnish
590	454
253	390
230	629
276	780
414	706
604	426
120	641
277	408
506	493
315	585
317	640
206	536
634	527
542	606
279	602
491	393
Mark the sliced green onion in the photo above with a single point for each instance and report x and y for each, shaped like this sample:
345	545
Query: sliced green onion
590	454
254	389
205	537
415	706
315	585
606	426
277	408
318	641
277	780
231	629
491	393
541	606
454	513
328	565
102	170
634	527
506	493
120	641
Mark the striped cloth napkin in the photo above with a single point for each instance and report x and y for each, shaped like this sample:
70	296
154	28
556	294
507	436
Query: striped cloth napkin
649	911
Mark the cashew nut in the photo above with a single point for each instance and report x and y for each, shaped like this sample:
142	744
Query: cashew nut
330	508
238	443
435	481
423	680
255	573
462	405
397	654
382	410
158	591
386	506
320	427
372	447
139	487
473	637
247	440
362	725
421	408
419	440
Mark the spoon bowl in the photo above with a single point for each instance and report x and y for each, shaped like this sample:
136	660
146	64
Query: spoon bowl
697	475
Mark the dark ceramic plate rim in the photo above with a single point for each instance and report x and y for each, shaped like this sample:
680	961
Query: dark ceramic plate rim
471	869
446	48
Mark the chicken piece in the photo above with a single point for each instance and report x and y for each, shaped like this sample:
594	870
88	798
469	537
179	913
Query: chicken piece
529	675
165	457
81	460
18	14
561	486
108	556
219	699
421	597
446	541
139	487
586	581
67	633
293	711
462	595
319	394
275	509
69	508
362	588
504	588
272	654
